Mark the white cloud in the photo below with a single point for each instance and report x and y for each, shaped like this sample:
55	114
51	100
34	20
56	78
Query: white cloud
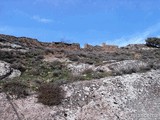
42	20
138	38
35	17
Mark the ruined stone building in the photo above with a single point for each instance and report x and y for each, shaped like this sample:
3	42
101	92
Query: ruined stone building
103	47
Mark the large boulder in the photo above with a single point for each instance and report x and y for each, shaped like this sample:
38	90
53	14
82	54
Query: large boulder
7	72
5	69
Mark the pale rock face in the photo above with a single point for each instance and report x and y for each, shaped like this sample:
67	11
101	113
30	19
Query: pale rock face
7	72
5	69
128	97
104	68
15	73
12	47
126	65
52	58
78	68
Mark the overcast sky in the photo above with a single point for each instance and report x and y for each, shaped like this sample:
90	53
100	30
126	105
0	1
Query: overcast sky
118	22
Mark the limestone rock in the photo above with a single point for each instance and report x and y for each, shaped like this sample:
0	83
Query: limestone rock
78	68
15	73
5	69
7	72
128	66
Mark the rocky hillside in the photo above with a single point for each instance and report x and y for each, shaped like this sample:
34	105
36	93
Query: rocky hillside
61	81
126	97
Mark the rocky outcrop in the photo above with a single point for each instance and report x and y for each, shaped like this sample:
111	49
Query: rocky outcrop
128	66
127	97
121	67
78	68
7	72
34	43
7	46
15	73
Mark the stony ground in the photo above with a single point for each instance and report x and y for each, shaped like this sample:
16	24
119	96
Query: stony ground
127	97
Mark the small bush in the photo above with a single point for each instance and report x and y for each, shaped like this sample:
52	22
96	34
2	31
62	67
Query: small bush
73	57
56	65
19	66
88	71
39	57
88	61
16	89
73	78
50	94
48	51
153	41
88	74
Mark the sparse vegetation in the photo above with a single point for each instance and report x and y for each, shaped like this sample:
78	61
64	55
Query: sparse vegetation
89	74
15	89
50	94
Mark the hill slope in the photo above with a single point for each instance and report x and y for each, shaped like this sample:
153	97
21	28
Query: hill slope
95	82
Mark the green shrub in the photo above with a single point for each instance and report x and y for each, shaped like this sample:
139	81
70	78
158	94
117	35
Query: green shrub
153	41
73	78
16	89
50	94
73	57
88	74
56	65
88	71
19	66
39	57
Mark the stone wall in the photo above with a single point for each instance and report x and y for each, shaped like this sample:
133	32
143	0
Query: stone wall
92	48
103	47
109	47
